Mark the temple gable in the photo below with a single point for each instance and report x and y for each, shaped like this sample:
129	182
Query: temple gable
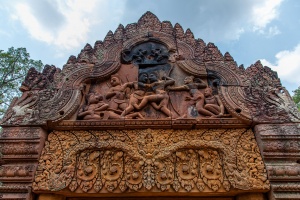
151	111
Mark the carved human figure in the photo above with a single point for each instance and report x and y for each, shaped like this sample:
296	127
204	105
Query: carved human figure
138	94
192	85
213	105
92	110
159	98
118	93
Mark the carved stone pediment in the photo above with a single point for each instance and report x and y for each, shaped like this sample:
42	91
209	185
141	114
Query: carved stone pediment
152	70
150	110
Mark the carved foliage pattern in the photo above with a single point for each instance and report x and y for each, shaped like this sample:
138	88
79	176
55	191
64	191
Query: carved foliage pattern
214	160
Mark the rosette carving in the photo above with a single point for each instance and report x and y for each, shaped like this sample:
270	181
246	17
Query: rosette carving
187	168
211	170
112	169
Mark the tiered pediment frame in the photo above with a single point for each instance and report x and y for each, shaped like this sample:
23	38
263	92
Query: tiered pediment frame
150	110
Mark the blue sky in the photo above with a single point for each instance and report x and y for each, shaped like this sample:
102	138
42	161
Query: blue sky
250	30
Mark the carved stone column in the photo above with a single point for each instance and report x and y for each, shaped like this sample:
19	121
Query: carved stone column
20	149
280	148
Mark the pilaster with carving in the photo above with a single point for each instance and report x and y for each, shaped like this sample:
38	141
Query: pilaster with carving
20	149
280	149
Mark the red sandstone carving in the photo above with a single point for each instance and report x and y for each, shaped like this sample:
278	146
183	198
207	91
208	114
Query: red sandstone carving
151	74
153	158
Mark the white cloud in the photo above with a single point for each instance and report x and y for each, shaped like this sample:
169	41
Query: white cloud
31	23
74	20
269	32
287	65
71	23
217	20
273	30
264	13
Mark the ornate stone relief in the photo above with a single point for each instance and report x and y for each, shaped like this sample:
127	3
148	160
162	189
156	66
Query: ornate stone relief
151	58
36	87
149	74
267	99
204	160
280	149
20	148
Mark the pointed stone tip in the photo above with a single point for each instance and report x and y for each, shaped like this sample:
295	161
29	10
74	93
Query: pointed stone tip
121	26
130	25
98	42
179	28
258	63
200	40
228	57
148	14
87	45
211	45
189	32
167	23
227	54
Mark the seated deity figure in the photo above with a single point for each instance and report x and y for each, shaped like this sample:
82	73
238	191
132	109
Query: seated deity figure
159	97
94	106
192	85
118	93
212	106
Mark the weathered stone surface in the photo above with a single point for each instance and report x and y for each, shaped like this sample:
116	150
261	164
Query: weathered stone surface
204	160
280	149
156	72
20	149
151	109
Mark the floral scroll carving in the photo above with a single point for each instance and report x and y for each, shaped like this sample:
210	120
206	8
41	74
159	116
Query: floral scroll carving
204	160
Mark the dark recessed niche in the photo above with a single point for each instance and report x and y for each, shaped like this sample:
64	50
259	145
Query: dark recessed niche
238	110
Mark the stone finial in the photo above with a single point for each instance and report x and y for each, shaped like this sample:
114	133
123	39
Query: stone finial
167	27
179	31
109	38
119	32
149	21
228	57
189	37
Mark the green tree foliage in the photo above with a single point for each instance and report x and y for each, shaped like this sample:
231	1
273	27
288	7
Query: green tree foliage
14	65
296	97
